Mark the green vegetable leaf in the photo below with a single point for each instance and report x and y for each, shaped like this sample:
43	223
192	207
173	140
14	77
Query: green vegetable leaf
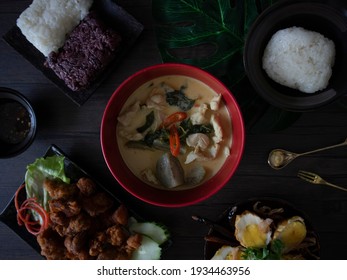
179	99
205	33
37	172
276	249
255	254
149	121
187	128
160	134
272	252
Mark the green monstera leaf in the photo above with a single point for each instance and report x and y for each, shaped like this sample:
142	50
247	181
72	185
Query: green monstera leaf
211	34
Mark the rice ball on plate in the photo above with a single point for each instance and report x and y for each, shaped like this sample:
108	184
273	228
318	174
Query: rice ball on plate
299	59
45	23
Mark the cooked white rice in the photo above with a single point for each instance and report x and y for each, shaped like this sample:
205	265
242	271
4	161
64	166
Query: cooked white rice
300	59
45	23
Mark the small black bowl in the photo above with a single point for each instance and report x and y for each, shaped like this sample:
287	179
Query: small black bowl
17	123
328	18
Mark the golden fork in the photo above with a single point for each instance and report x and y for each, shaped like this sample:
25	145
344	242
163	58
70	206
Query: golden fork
316	179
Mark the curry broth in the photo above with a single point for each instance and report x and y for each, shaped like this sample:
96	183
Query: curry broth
138	160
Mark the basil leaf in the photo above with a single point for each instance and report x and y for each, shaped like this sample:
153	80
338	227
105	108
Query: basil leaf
186	128
148	123
179	99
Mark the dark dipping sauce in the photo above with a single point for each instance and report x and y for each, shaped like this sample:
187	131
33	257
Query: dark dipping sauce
15	122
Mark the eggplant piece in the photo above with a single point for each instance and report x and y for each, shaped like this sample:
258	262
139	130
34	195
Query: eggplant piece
196	175
169	171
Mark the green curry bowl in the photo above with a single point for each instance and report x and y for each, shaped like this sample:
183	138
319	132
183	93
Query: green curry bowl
172	135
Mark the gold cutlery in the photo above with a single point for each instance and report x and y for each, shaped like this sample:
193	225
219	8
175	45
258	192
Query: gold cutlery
316	179
279	158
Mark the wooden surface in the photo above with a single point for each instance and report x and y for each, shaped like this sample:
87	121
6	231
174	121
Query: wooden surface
76	131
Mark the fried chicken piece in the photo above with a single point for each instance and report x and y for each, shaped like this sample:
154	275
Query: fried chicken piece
112	217
60	229
86	186
68	207
78	223
113	253
58	218
134	241
77	246
104	220
116	235
97	244
121	215
52	245
70	256
84	255
58	189
78	242
97	203
68	242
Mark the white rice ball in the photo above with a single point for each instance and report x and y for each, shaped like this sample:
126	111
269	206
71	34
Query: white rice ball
46	23
299	59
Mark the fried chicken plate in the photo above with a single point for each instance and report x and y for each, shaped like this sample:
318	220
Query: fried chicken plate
85	224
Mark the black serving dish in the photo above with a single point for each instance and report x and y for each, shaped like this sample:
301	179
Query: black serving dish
227	221
325	17
20	122
9	215
125	24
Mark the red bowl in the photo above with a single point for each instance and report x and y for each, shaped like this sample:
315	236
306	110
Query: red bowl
123	174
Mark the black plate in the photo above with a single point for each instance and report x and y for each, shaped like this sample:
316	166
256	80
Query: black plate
227	220
128	27
74	172
325	17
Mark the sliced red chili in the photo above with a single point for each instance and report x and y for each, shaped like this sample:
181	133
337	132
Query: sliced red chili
24	215
173	118
175	144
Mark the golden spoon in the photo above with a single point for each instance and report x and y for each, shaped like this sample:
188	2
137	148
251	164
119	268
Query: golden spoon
279	158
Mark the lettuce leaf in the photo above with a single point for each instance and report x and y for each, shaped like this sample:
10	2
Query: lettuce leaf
37	172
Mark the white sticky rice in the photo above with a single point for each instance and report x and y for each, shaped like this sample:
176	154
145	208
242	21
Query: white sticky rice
45	23
299	59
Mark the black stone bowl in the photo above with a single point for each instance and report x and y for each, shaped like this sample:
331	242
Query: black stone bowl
17	123
328	18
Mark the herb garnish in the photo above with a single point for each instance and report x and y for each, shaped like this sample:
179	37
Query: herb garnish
148	123
186	128
179	99
272	252
160	134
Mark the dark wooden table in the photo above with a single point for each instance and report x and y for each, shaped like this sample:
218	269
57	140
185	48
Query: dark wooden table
76	131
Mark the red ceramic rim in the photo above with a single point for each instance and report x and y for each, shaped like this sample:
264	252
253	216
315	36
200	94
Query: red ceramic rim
116	165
